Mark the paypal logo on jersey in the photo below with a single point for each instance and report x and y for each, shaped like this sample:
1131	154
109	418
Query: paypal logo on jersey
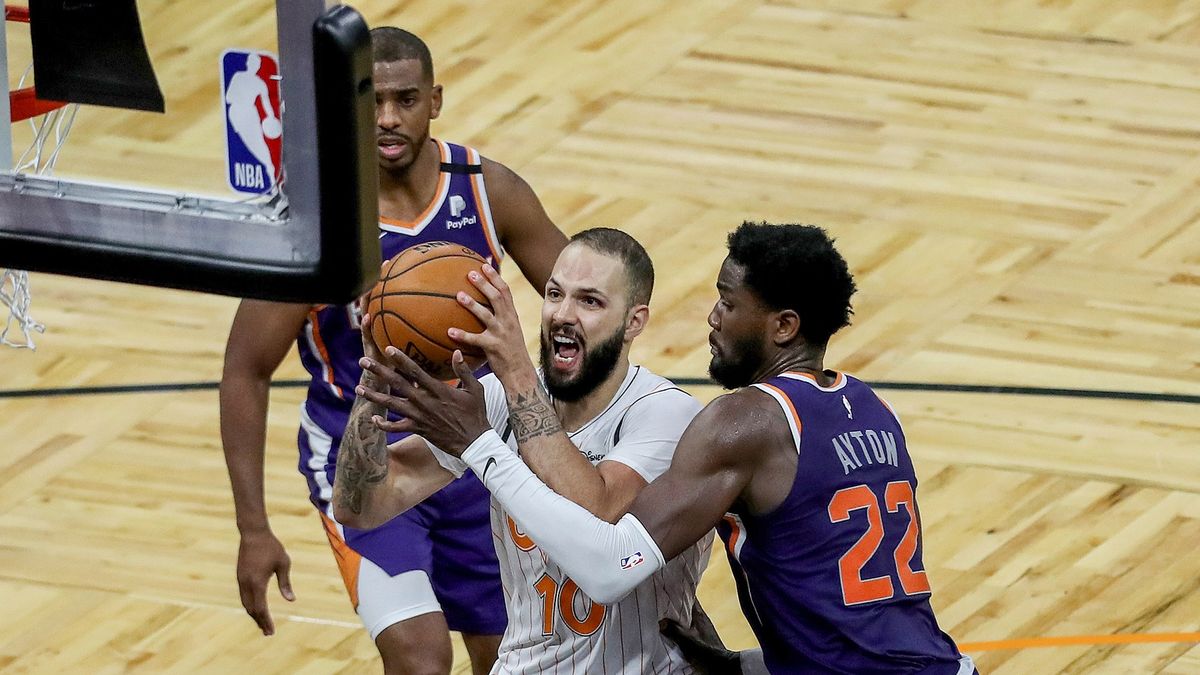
457	206
253	131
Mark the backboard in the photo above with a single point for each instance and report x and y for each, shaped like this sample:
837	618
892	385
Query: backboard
147	199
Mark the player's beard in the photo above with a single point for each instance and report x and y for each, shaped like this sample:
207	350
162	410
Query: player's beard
736	366
598	363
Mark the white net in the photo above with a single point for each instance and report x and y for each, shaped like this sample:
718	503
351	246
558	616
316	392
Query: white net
14	293
49	134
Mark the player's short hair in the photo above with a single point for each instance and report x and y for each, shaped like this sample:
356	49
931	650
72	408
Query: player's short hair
796	267
389	44
638	268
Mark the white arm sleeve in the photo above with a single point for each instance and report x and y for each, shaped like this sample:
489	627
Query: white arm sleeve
605	560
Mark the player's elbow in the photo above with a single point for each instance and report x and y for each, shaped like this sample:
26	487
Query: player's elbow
351	518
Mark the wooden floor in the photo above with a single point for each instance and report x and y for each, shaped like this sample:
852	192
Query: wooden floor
1016	184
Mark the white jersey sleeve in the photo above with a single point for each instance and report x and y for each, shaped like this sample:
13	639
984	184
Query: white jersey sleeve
497	413
647	434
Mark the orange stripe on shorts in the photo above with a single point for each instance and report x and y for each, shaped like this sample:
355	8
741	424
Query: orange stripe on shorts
348	560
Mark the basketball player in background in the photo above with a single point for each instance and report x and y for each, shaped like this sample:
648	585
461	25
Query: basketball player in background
435	567
605	429
805	469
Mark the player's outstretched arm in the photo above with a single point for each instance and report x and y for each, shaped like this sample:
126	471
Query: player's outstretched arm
259	339
525	231
714	463
374	482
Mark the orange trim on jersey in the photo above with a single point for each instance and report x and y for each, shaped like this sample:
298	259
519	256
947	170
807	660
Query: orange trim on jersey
323	353
790	405
477	189
349	561
438	196
837	381
735	533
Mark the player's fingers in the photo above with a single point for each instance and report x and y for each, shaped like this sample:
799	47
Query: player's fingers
283	574
386	374
493	276
478	309
394	403
463	371
484	285
402	425
476	340
410	370
256	607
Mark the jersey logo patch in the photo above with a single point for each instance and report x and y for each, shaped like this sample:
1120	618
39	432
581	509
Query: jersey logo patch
632	561
457	204
849	411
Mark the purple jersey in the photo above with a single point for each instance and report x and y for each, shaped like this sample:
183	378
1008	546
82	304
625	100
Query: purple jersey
330	343
832	580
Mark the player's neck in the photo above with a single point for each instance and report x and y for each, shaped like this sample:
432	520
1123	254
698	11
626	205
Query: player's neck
804	359
575	414
405	194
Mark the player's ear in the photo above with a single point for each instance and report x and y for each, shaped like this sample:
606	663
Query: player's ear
435	96
635	321
785	326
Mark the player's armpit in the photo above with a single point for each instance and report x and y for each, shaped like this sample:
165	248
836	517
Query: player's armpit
525	230
714	462
621	486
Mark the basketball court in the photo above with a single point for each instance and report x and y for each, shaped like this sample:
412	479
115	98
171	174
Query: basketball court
1014	184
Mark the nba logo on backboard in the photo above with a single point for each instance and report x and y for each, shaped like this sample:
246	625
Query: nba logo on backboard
250	96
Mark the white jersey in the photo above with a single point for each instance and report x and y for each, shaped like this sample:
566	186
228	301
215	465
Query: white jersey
553	627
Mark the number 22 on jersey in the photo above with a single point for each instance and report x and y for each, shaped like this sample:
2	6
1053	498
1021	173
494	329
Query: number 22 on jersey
855	589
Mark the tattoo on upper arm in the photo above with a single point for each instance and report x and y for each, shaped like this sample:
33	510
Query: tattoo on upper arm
531	415
362	461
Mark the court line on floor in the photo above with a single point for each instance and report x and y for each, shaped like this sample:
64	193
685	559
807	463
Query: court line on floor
683	381
1082	640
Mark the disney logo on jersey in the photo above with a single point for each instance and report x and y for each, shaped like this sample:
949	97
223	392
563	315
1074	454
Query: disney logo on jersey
594	457
631	561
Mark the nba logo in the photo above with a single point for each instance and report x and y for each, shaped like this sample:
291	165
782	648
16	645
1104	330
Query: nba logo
250	97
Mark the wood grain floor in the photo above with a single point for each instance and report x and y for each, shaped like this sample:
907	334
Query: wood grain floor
1016	184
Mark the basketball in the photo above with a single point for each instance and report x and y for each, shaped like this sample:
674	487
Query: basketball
413	304
272	128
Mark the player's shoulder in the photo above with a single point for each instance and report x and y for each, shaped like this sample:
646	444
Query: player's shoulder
649	390
745	417
498	176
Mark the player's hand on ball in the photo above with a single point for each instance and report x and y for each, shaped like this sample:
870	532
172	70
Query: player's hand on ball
369	349
501	340
449	417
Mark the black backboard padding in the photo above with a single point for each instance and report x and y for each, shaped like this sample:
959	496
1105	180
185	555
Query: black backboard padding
348	218
92	51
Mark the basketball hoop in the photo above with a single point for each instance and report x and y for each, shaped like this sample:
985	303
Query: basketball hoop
48	120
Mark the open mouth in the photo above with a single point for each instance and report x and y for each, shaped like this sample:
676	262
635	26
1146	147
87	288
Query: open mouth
566	351
391	148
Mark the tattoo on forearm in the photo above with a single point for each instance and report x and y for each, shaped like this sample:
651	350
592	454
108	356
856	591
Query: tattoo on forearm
362	461
531	415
